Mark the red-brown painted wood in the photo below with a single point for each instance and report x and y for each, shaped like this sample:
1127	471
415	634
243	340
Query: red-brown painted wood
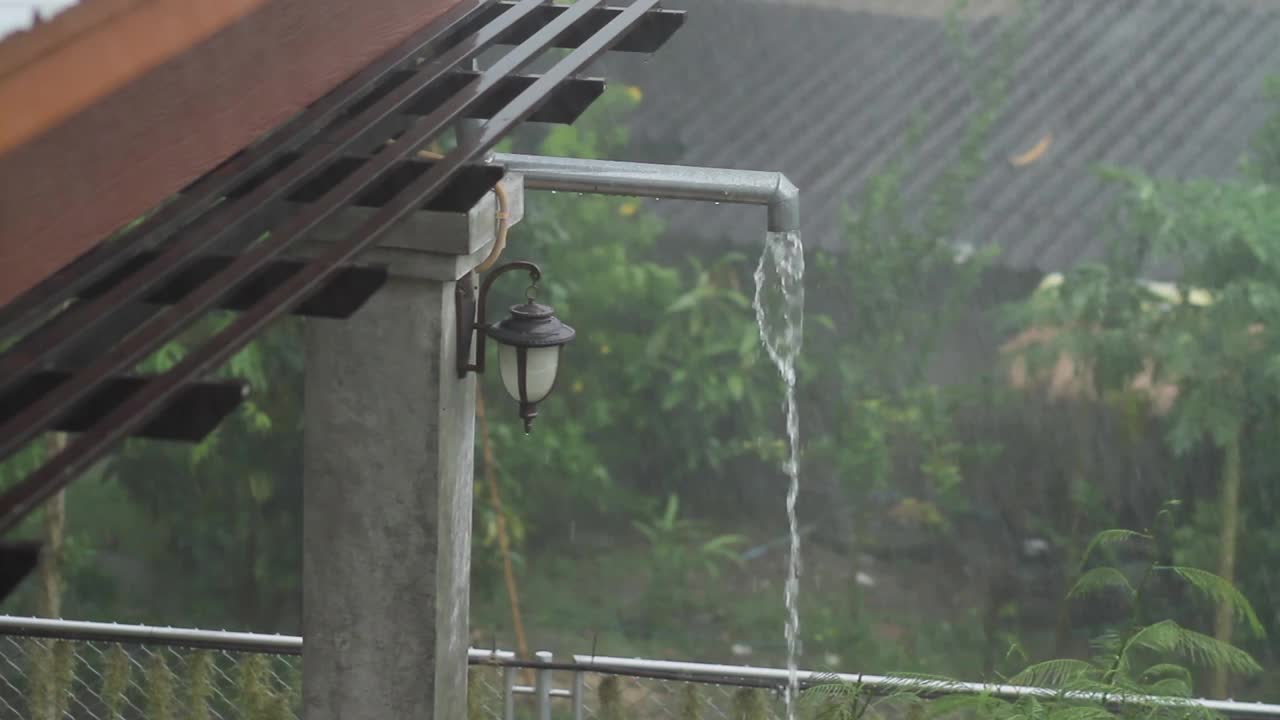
61	66
66	189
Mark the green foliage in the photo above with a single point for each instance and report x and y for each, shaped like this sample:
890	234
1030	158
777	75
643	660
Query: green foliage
255	693
834	700
1169	639
1215	337
610	695
1107	539
115	682
228	506
749	704
1209	341
680	547
682	554
838	700
199	685
293	679
1101	579
671	360
690	703
161	701
50	674
901	287
1218	592
475	690
1135	657
262	696
1142	656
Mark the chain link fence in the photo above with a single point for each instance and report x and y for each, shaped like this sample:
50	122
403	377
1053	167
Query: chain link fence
617	697
97	671
45	679
57	679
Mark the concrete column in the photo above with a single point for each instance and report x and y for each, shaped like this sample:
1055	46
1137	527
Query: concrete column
389	430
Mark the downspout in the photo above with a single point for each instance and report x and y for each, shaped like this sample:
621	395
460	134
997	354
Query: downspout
677	182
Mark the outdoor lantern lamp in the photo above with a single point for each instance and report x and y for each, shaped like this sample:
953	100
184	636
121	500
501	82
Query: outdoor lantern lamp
529	340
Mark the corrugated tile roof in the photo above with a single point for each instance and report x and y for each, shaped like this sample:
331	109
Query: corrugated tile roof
824	94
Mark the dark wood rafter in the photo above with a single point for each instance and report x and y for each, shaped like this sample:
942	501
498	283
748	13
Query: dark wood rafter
564	105
176	258
339	298
645	37
194	412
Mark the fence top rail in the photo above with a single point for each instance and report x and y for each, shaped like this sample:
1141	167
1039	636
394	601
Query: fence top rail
150	635
637	667
888	683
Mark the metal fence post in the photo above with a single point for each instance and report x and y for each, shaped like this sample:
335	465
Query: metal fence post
579	690
508	693
542	686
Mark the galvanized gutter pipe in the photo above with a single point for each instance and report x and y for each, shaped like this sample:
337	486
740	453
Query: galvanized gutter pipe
677	182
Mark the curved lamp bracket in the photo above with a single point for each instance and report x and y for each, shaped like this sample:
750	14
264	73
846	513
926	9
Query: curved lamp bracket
471	311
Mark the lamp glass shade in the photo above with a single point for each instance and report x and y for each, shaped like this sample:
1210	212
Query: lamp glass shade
541	366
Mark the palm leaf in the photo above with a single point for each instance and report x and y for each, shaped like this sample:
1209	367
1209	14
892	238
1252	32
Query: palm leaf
1108	538
1169	638
1099	580
1054	673
1220	592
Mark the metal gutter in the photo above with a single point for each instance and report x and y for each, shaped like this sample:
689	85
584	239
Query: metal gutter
678	182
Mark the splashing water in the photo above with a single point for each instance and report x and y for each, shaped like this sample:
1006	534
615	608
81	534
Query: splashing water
779	305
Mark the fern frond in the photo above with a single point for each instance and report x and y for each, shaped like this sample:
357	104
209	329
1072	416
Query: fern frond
1084	711
1170	687
1168	637
1165	671
1099	580
898	705
831	690
1221	592
1034	709
982	705
1095	685
690	702
1108	538
1054	673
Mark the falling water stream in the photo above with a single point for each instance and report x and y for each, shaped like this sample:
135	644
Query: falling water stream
779	305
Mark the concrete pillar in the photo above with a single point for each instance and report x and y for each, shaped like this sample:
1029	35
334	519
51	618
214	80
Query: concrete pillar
389	430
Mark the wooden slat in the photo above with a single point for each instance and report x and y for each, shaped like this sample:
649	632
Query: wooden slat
194	412
339	298
17	561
